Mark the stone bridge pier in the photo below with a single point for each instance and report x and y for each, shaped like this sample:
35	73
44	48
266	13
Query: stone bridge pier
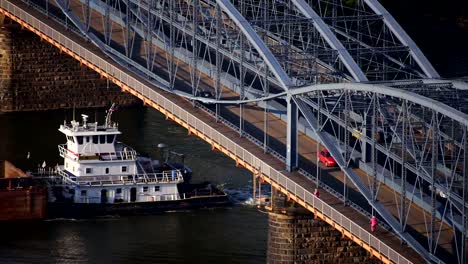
34	75
296	236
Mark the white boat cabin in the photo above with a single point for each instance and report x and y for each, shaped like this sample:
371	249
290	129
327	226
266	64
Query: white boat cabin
99	169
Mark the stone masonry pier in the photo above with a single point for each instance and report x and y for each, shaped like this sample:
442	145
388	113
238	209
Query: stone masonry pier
34	75
296	236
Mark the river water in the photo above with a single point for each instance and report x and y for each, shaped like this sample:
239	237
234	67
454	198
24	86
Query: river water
234	235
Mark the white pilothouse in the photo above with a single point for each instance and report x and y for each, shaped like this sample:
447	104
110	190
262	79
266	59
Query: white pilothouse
99	169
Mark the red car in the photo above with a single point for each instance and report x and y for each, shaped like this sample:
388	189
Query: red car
326	158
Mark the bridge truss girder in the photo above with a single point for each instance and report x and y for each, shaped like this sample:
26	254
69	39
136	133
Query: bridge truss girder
239	47
420	145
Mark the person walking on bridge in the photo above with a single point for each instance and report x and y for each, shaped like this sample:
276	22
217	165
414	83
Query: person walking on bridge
316	193
373	223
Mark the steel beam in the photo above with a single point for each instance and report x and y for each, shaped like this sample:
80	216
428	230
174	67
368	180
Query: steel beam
257	42
392	24
291	138
332	40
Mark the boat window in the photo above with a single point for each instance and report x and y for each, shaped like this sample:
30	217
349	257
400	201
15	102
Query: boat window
83	192
80	140
89	170
124	168
96	139
110	138
107	170
157	188
145	188
118	190
102	139
88	139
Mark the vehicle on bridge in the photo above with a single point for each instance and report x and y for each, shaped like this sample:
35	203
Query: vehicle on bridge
326	158
101	176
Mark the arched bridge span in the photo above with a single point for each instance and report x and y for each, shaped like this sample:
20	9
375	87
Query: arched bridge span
398	135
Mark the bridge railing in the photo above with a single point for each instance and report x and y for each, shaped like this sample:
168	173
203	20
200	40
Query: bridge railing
122	76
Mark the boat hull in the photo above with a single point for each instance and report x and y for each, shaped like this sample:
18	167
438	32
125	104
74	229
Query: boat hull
82	210
21	199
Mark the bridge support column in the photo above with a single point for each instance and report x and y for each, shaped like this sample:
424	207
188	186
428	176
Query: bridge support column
296	236
34	75
6	93
291	138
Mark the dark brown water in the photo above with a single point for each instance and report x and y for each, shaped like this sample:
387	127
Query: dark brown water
235	235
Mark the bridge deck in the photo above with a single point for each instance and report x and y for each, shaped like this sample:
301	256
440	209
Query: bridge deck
277	129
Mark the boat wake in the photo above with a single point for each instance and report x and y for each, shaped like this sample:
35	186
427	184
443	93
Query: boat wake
244	195
61	220
98	218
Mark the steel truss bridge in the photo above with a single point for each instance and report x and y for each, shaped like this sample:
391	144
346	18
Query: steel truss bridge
271	83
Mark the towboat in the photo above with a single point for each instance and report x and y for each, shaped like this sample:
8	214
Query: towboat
101	176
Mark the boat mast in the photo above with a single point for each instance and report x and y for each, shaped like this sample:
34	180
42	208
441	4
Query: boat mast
109	115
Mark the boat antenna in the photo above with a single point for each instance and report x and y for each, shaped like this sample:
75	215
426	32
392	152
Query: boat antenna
85	120
109	115
73	111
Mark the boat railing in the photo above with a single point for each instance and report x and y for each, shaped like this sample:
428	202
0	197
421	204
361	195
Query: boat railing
119	155
59	176
90	127
173	176
126	154
123	199
89	199
65	153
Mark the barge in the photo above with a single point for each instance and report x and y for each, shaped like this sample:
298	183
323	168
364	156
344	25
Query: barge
21	197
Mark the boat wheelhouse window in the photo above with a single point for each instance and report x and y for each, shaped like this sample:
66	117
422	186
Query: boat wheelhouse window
88	139
102	139
96	139
124	168
70	138
107	170
89	170
84	193
110	138
145	188
118	190
157	188
80	140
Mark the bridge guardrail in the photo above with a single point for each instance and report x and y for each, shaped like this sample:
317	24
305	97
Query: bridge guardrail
202	127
